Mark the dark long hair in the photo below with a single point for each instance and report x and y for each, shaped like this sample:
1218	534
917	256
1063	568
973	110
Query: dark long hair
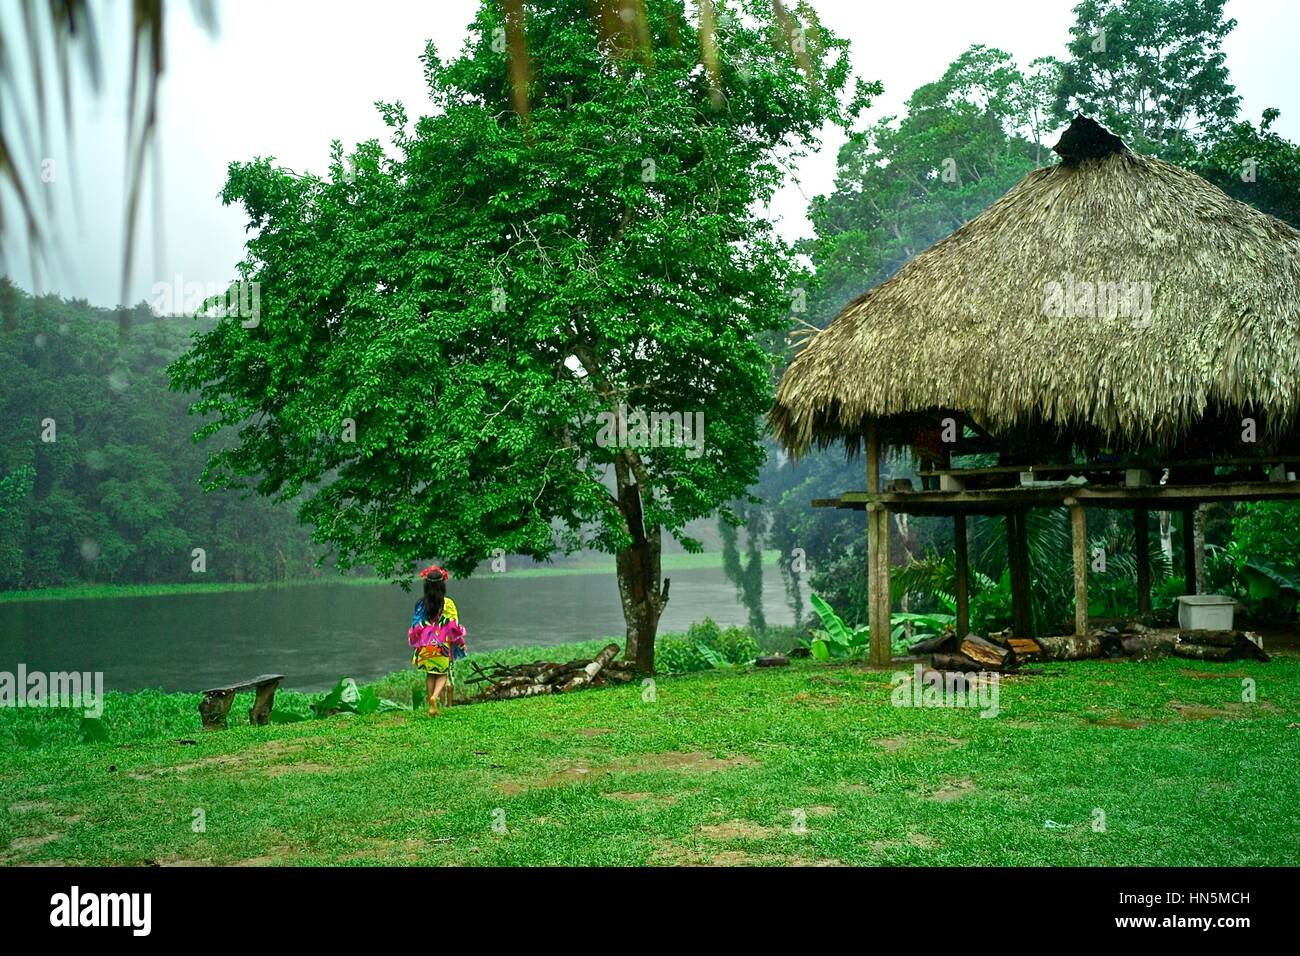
435	593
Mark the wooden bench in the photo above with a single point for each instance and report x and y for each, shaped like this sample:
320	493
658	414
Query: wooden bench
216	702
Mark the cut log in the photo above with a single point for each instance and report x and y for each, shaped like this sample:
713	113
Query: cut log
990	655
1073	647
957	662
1112	643
1145	647
1203	652
1213	638
1242	644
773	660
585	676
945	643
524	690
1024	647
1252	645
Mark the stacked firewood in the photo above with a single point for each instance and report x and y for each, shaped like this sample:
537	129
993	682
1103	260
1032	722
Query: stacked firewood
1002	652
509	681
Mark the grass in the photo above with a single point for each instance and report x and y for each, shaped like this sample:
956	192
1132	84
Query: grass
808	764
671	562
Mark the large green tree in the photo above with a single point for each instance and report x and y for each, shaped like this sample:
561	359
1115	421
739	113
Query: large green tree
446	323
1153	71
908	181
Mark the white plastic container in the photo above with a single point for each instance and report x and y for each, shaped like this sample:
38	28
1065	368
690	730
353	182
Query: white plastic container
1205	612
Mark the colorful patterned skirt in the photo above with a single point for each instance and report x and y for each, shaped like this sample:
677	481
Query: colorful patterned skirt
431	658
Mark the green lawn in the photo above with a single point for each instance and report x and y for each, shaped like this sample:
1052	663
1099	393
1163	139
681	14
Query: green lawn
809	764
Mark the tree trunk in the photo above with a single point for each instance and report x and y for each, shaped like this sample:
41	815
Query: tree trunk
643	595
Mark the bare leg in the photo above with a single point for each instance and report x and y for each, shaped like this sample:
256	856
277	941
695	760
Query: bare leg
439	683
431	691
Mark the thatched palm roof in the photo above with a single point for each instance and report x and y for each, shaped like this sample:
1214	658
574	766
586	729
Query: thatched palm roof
972	323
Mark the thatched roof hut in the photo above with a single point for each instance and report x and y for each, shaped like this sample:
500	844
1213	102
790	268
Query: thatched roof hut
1103	328
1111	292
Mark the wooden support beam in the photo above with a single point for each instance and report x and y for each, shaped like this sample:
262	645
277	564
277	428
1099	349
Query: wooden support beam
963	575
1189	550
1142	535
1079	542
1001	500
879	603
1022	617
873	458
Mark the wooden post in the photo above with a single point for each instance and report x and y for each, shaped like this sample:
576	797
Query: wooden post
873	458
1189	550
963	575
878	602
1022	616
1079	540
1142	535
1198	545
878	594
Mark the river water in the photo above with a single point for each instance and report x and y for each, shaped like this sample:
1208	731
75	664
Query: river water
314	634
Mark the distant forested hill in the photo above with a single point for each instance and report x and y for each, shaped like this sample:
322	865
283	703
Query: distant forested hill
99	477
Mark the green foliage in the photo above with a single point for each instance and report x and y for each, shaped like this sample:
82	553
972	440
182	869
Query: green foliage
906	182
990	607
348	697
1267	531
907	628
1153	71
114	498
836	639
475	296
705	646
1256	166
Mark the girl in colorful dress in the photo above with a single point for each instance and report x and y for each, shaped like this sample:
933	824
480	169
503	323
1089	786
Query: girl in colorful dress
436	635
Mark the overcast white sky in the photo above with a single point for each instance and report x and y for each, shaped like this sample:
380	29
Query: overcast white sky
283	78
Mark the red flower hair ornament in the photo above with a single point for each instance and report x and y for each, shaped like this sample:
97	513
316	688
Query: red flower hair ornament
435	572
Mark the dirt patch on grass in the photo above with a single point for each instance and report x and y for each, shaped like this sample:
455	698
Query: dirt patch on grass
893	744
693	762
179	861
593	731
953	790
407	849
1231	710
280	769
861	789
1114	720
240	760
673	854
30	806
737	830
21	846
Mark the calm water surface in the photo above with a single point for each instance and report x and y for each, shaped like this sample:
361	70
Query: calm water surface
315	634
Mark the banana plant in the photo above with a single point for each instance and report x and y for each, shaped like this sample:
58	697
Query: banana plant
835	638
